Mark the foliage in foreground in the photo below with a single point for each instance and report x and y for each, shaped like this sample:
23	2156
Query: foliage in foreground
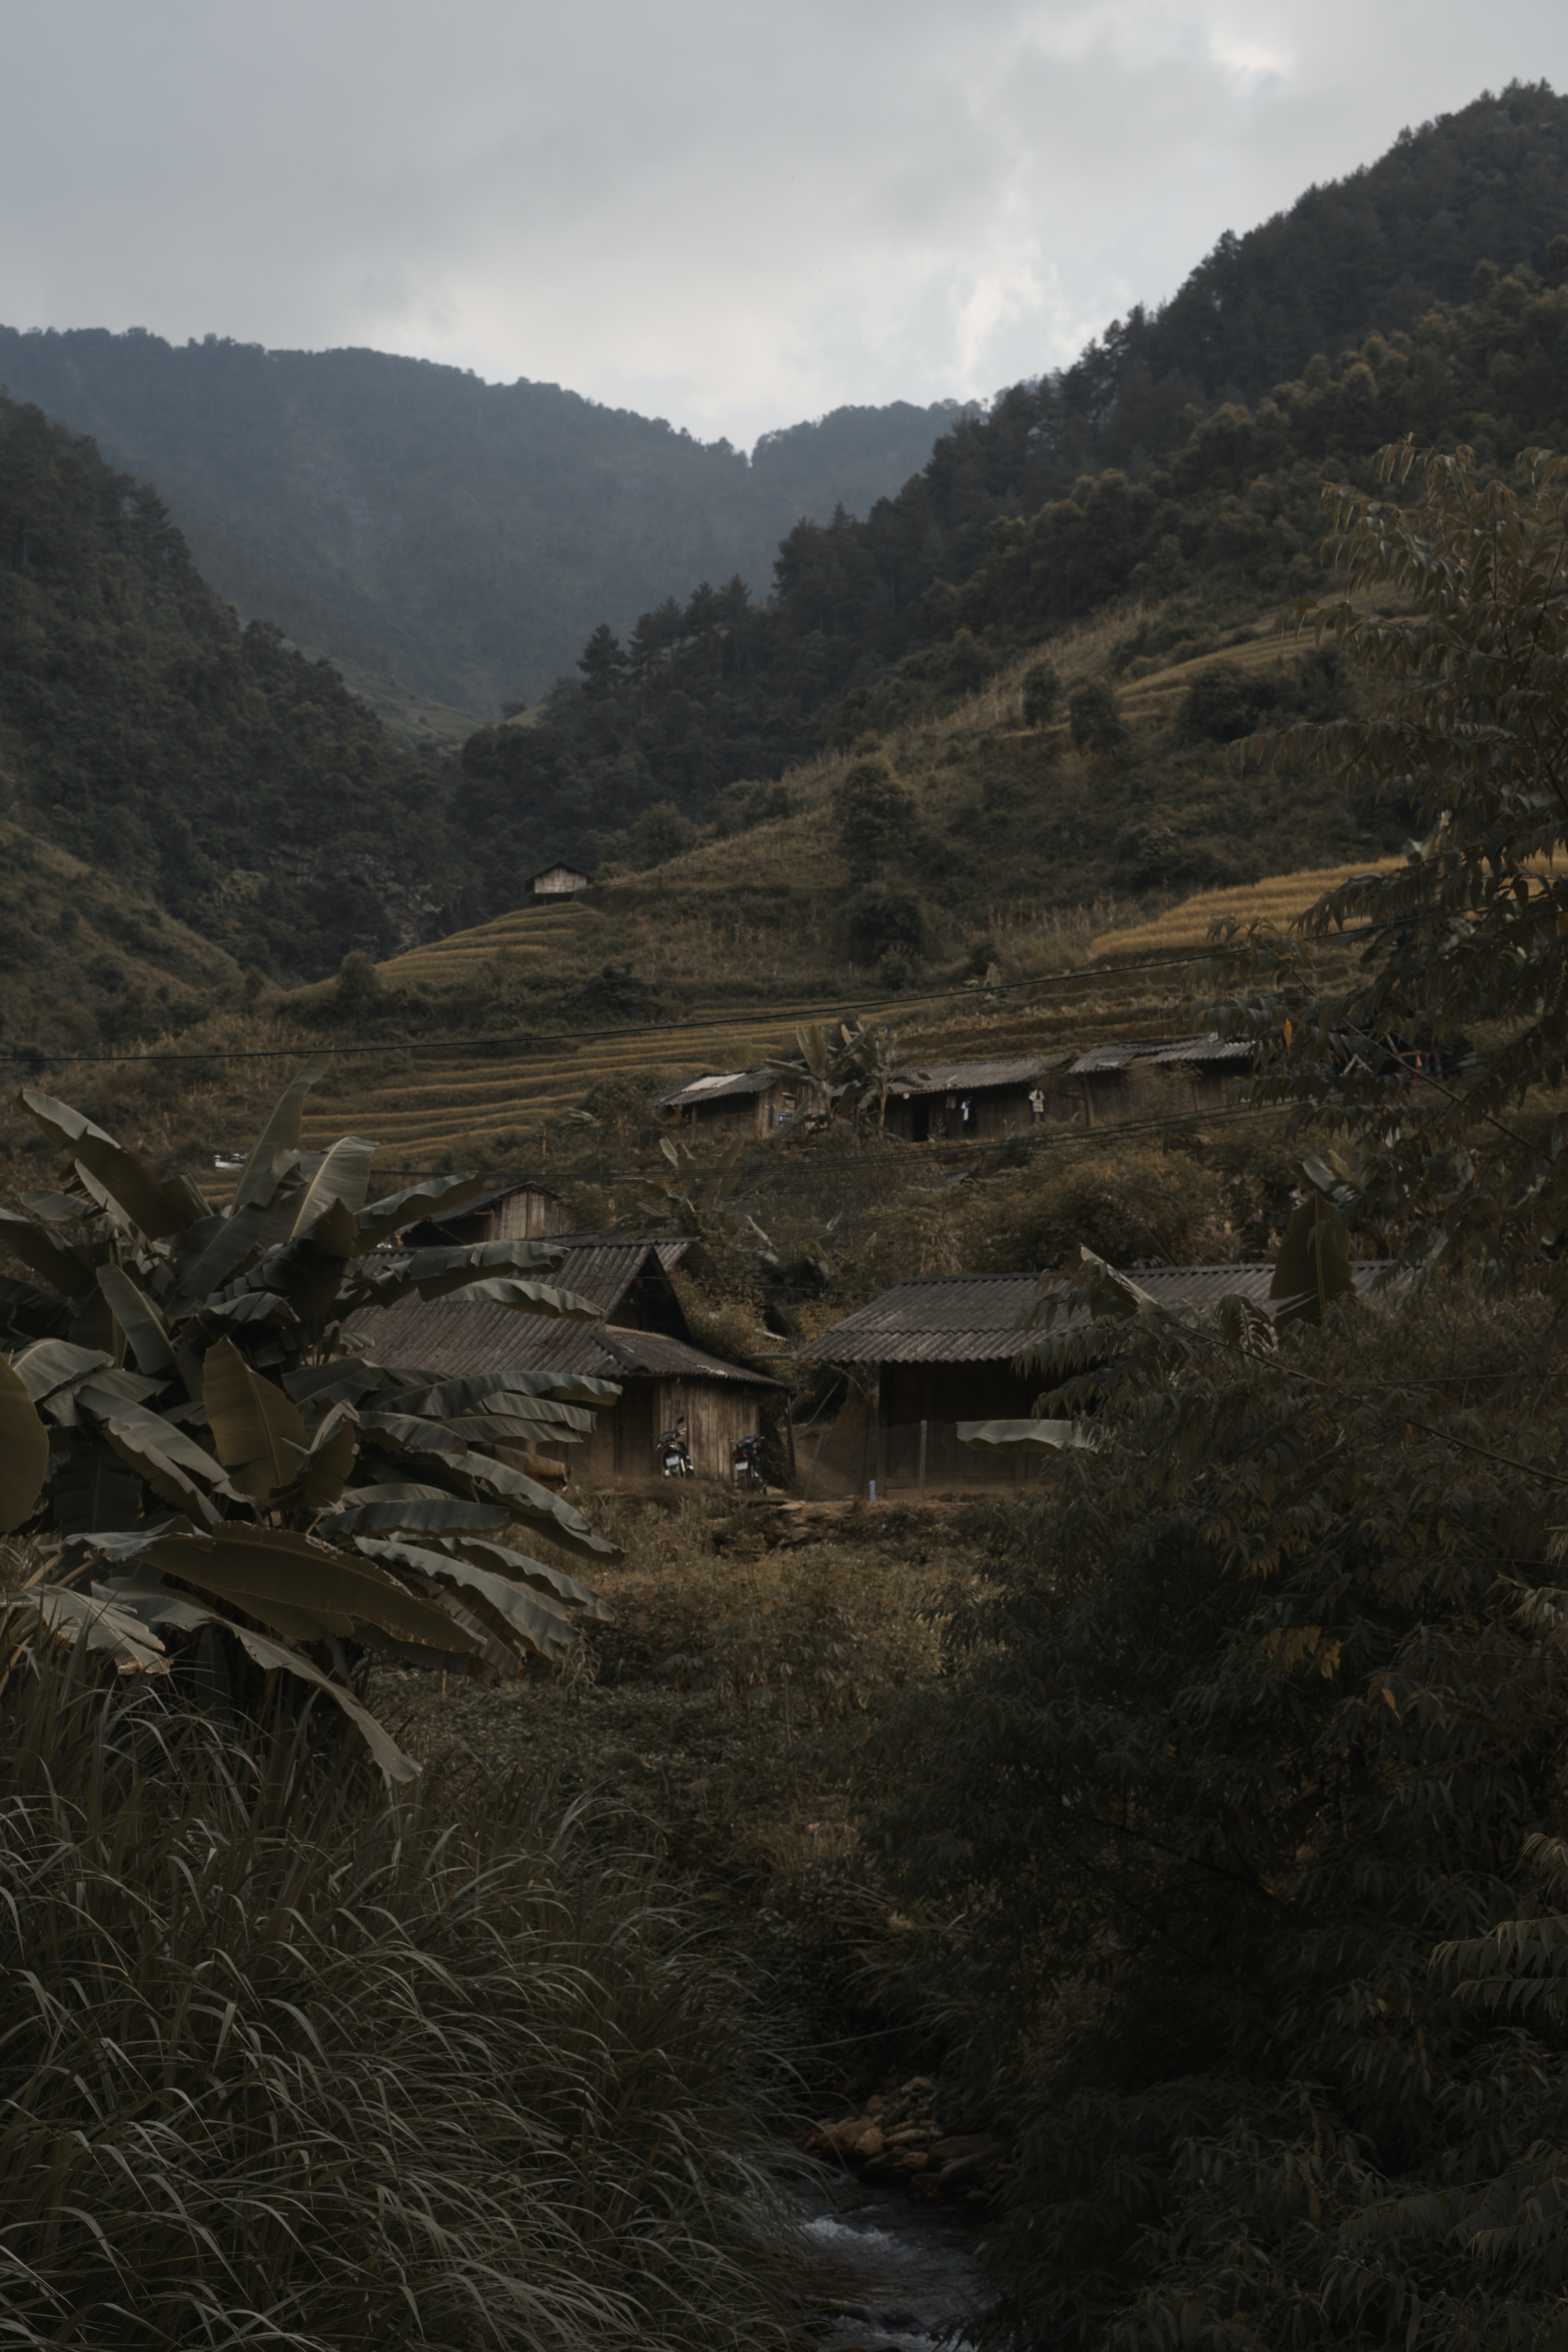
1254	1731
316	2070
256	1482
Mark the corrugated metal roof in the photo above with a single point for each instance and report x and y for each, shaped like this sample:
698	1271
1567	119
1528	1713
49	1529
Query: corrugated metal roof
1118	1055
603	1271
980	1318
1204	1049
455	1337
656	1354
946	1077
711	1089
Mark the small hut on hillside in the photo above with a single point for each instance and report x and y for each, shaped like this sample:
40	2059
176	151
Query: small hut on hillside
937	1349
553	883
730	1102
642	1343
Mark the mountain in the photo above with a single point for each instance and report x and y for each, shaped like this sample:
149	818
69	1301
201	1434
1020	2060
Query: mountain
396	513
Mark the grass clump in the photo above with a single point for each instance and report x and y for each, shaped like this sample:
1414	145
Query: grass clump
289	2064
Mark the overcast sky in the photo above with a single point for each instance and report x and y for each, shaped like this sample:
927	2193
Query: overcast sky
729	215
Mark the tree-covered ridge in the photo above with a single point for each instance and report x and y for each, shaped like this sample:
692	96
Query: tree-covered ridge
469	534
724	690
143	731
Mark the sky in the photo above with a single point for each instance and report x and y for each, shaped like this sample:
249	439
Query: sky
728	214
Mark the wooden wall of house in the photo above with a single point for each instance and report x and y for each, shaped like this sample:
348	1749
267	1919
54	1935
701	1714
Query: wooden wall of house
737	1113
717	1413
528	1216
997	1112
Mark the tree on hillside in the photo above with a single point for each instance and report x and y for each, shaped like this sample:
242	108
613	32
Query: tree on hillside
873	816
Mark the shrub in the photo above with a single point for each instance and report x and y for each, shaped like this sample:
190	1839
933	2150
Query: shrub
879	922
1042	694
659	834
1094	718
873	817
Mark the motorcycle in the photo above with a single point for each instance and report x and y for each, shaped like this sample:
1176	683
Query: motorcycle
674	1454
746	1465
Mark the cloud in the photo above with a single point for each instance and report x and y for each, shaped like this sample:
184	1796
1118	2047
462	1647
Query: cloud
732	215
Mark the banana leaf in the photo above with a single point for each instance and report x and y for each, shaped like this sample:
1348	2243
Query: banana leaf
63	1268
510	1429
499	1392
441	1514
262	1569
216	1250
276	1148
383	1218
340	1183
1313	1267
24	1450
329	1462
103	1622
258	1429
538	1572
99	1402
51	1364
152	1603
57	1208
91	1491
146	1334
535	1507
546	1627
123	1175
155	1469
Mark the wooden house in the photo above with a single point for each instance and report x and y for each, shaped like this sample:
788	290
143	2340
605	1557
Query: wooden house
642	1343
553	883
945	1349
1108	1077
730	1102
956	1101
519	1210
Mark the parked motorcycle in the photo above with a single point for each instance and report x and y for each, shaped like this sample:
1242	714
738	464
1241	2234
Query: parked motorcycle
746	1465
673	1453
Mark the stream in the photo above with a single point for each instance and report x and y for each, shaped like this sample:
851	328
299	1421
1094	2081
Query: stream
891	2274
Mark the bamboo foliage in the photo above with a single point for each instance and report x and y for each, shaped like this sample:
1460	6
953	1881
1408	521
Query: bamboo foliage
190	1423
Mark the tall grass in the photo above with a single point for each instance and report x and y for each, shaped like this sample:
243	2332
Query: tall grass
295	2066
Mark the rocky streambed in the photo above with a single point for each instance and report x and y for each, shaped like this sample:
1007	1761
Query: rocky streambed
906	2179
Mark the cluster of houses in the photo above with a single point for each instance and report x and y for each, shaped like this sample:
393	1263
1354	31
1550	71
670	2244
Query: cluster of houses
930	1352
981	1101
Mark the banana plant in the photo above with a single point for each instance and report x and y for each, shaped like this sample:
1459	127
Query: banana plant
851	1067
195	1437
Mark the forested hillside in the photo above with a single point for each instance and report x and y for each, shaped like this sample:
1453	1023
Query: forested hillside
143	731
392	512
705	707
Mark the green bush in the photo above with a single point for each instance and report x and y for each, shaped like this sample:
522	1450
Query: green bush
305	2067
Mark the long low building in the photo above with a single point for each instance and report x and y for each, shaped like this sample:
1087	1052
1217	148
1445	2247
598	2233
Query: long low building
980	1100
643	1344
946	1349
